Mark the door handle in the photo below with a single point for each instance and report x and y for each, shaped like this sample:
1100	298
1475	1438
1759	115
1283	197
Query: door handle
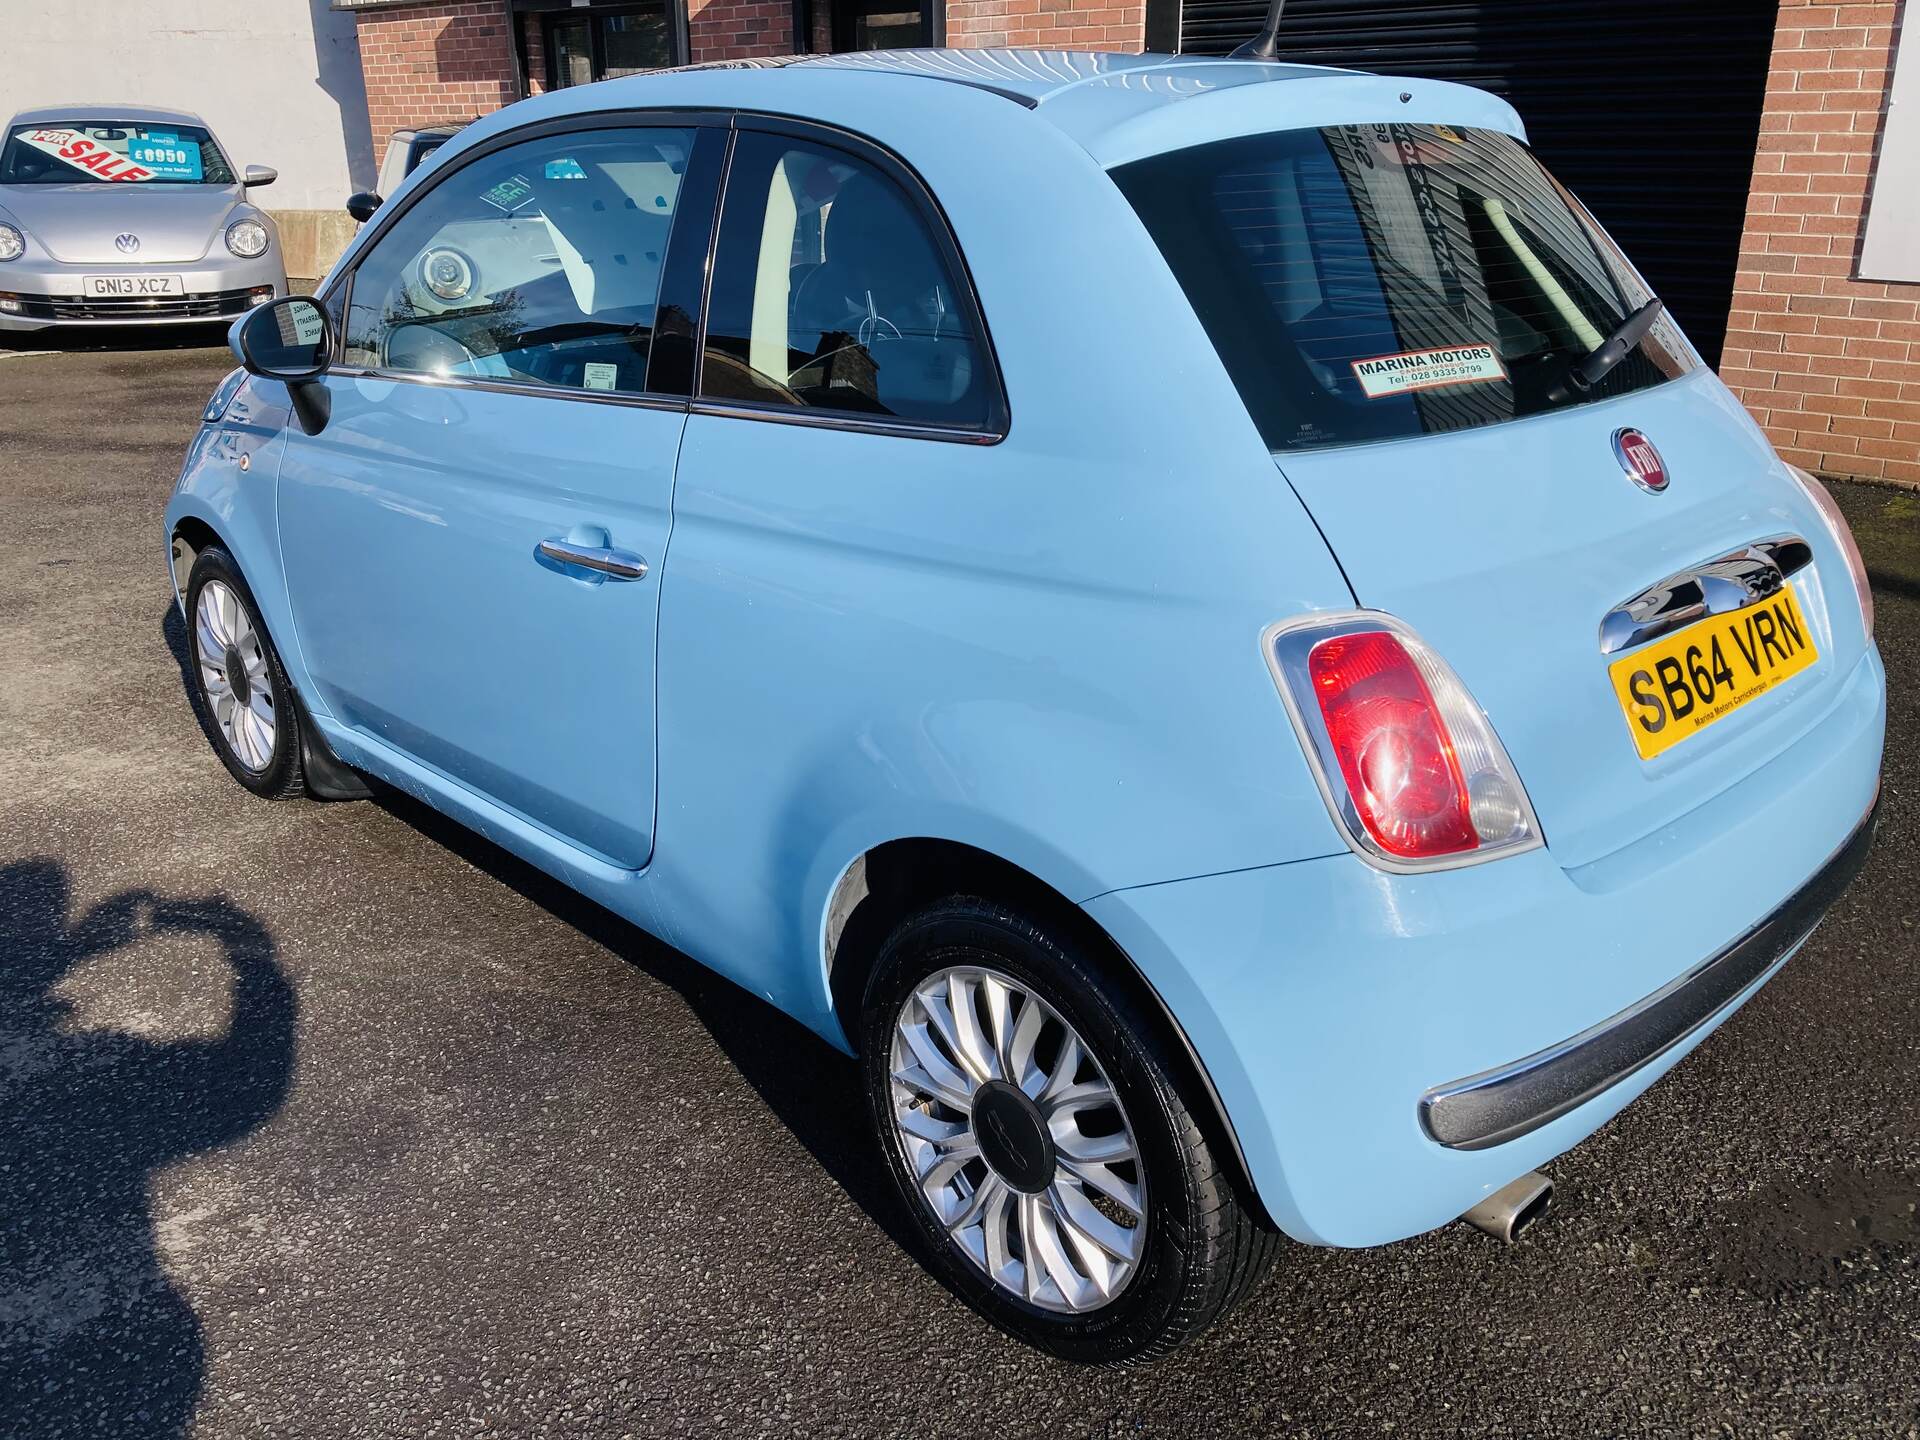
614	564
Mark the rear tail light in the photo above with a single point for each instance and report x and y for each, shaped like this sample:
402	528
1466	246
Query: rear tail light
1842	537
1409	765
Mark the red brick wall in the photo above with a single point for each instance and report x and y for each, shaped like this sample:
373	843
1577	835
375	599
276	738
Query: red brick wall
1830	365
1069	24
448	61
739	29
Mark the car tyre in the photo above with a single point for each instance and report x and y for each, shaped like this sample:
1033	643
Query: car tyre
1196	1247
241	693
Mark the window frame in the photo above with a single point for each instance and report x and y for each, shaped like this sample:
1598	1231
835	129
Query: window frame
707	174
336	297
858	147
594	19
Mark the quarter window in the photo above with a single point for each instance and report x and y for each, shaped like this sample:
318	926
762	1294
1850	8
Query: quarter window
539	263
830	293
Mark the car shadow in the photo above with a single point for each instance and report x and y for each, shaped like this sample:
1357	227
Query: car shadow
119	338
95	1337
810	1087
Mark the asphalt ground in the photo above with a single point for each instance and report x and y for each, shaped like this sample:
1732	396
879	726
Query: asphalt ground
332	1120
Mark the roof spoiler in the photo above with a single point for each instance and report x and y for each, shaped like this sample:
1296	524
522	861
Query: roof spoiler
1265	45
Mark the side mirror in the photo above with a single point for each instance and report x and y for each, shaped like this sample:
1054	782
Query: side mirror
259	175
290	340
362	206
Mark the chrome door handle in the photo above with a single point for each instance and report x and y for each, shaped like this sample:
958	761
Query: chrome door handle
614	564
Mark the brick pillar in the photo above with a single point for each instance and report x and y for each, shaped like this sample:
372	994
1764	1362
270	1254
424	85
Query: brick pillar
435	62
1828	364
1058	24
739	29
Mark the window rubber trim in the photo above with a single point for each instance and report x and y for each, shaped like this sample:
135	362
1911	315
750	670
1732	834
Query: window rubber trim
707	118
341	284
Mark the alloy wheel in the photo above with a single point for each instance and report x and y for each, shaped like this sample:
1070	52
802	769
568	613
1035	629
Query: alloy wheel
234	675
1017	1140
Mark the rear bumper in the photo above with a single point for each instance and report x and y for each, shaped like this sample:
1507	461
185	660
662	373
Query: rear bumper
1327	999
1514	1100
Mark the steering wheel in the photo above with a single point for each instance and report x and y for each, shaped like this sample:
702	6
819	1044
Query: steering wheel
419	347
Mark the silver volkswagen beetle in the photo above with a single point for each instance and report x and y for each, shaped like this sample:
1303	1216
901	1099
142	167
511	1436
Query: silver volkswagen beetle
123	214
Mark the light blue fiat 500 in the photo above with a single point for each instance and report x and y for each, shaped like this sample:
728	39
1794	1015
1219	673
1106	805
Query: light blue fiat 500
1195	615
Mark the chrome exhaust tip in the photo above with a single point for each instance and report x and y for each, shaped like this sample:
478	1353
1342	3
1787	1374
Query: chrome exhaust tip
1513	1207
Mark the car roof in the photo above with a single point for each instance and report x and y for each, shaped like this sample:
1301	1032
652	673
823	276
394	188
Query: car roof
1118	107
142	114
1034	77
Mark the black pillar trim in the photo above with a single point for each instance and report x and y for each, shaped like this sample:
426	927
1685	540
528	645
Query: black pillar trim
522	79
682	34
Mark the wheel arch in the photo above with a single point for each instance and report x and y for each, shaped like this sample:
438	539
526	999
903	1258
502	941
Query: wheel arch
886	883
328	777
189	537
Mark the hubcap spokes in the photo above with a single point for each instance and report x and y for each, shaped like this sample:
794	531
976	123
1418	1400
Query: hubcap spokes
233	673
1059	1220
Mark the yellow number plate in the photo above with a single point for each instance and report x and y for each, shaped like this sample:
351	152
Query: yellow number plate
1676	688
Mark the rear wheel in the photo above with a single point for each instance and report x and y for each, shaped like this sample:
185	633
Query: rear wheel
1038	1135
241	693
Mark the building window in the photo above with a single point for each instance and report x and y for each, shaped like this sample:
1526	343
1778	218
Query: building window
596	44
880	24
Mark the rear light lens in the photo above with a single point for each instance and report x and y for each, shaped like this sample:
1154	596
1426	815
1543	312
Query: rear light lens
1408	763
1842	537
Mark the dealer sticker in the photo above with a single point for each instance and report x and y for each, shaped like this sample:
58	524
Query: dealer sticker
600	375
1427	369
167	155
510	194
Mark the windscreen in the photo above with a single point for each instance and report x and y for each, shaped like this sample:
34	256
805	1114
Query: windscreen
97	152
1370	282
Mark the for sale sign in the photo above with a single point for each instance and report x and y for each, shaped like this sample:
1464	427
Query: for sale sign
1426	369
96	158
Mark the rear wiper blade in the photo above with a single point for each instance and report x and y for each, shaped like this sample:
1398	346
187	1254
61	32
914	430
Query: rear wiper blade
1590	369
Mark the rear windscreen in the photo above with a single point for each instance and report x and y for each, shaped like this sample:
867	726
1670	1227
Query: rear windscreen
1369	282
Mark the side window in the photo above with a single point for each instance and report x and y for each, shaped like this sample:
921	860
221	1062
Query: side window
830	293
539	263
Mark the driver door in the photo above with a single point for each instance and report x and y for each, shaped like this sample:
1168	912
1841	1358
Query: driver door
473	542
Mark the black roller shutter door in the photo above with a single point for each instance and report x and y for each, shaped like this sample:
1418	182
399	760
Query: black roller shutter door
1648	109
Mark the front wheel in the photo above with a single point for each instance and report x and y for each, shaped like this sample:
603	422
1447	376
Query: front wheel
1037	1131
240	689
